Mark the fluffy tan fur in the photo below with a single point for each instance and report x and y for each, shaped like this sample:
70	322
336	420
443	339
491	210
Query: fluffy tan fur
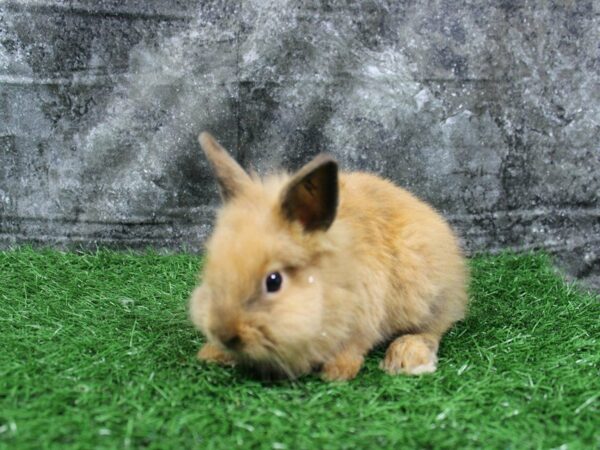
387	267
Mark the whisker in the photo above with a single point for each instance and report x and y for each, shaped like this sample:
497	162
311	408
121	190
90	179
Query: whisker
278	359
283	366
270	344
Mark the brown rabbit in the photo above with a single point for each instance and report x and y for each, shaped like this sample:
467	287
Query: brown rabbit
311	271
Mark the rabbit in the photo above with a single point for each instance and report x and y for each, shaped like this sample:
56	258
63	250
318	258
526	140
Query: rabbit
308	272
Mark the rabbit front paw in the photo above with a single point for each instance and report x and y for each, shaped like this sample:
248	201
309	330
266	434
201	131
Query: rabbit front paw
213	354
342	367
411	354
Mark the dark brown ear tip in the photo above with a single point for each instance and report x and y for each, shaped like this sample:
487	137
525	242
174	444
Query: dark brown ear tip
325	159
324	163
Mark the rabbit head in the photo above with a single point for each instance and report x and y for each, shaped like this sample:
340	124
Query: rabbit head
262	294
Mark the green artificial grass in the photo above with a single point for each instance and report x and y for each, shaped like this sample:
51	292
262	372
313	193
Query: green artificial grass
97	352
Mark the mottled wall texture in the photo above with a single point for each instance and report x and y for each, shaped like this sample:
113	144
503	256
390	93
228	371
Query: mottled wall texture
489	109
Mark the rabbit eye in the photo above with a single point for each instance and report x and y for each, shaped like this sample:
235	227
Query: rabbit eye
273	282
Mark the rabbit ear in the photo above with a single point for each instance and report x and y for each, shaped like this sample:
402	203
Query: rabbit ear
311	196
230	175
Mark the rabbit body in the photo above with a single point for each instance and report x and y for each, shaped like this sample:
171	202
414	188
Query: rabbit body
360	260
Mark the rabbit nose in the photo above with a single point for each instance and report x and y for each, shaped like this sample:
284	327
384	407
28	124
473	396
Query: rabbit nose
229	338
233	342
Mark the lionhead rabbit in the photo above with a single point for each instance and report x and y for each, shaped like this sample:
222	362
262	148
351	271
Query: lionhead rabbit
310	271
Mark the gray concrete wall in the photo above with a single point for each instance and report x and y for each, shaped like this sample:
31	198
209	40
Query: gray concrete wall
488	109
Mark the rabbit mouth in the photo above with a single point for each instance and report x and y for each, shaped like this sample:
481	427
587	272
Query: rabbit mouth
264	364
264	371
263	357
257	352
